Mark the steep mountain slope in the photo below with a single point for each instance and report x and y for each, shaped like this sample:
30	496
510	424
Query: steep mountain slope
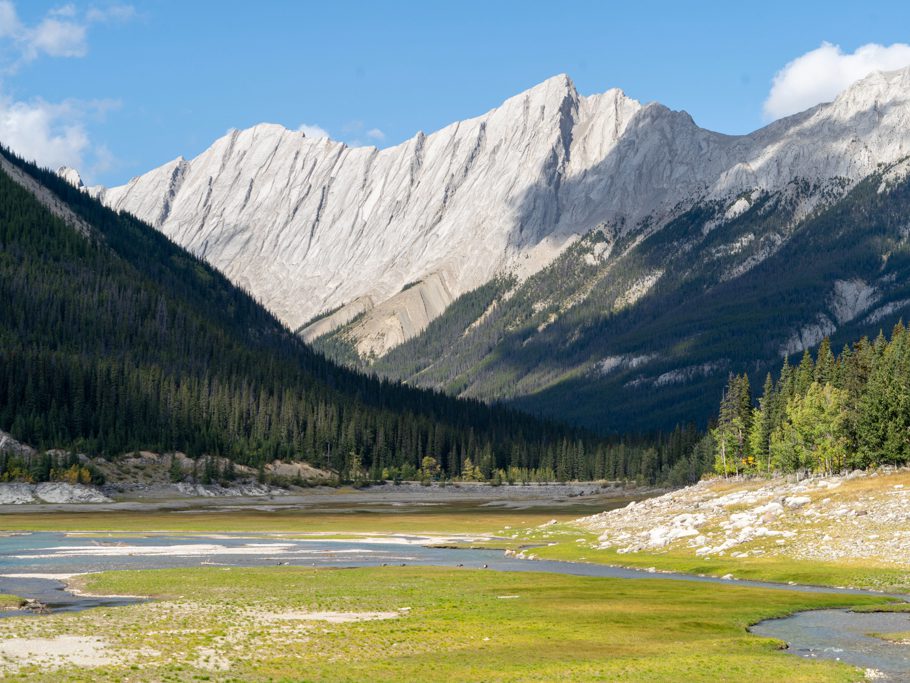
639	330
113	339
392	237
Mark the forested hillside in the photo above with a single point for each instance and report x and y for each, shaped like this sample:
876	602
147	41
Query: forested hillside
638	329
118	340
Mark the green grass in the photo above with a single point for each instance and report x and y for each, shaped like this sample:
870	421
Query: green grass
564	545
8	602
893	607
902	637
457	628
467	519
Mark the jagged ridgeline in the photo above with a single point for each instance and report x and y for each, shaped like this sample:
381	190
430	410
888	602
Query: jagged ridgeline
651	256
114	339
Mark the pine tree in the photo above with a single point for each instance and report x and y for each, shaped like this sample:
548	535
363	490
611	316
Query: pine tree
825	365
805	374
763	423
883	424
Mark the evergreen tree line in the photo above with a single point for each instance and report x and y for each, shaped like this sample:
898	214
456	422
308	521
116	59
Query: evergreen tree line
120	340
825	415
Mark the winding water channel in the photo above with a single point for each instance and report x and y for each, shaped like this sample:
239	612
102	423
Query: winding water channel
28	561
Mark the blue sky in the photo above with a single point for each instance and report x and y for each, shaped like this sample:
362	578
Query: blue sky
118	88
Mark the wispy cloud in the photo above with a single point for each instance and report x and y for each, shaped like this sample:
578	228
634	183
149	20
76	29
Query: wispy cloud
356	134
111	13
313	131
56	38
64	11
820	74
53	133
353	133
62	32
9	20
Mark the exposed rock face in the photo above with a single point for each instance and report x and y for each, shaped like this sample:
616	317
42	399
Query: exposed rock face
49	492
16	494
9	445
70	175
214	491
310	225
850	298
401	317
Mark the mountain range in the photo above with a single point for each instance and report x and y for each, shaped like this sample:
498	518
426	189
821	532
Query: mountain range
590	258
114	340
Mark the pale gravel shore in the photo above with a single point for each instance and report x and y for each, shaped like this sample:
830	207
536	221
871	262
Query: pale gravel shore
862	516
163	497
51	577
55	653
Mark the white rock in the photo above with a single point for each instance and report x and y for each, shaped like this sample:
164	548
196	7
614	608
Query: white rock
70	175
59	492
49	492
309	224
772	509
16	494
9	445
797	501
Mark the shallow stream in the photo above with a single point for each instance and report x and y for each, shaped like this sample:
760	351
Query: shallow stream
30	562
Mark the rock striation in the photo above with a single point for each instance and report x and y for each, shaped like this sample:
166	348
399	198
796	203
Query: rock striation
391	237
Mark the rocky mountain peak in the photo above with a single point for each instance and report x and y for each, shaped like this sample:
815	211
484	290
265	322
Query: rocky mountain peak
70	175
310	225
880	87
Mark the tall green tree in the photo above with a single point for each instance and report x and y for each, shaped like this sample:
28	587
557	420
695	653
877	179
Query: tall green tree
814	434
733	425
883	421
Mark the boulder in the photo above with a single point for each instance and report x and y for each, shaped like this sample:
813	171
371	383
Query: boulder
797	501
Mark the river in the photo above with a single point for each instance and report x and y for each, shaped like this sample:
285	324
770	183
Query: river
28	563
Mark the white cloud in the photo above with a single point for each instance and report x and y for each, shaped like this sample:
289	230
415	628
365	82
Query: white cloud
55	134
68	10
819	75
63	32
111	13
43	132
57	39
312	131
9	20
354	133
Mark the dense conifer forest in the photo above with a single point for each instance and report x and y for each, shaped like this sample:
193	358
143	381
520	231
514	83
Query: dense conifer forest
119	340
826	414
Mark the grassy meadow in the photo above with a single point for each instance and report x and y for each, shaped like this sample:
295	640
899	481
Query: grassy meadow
567	542
420	624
